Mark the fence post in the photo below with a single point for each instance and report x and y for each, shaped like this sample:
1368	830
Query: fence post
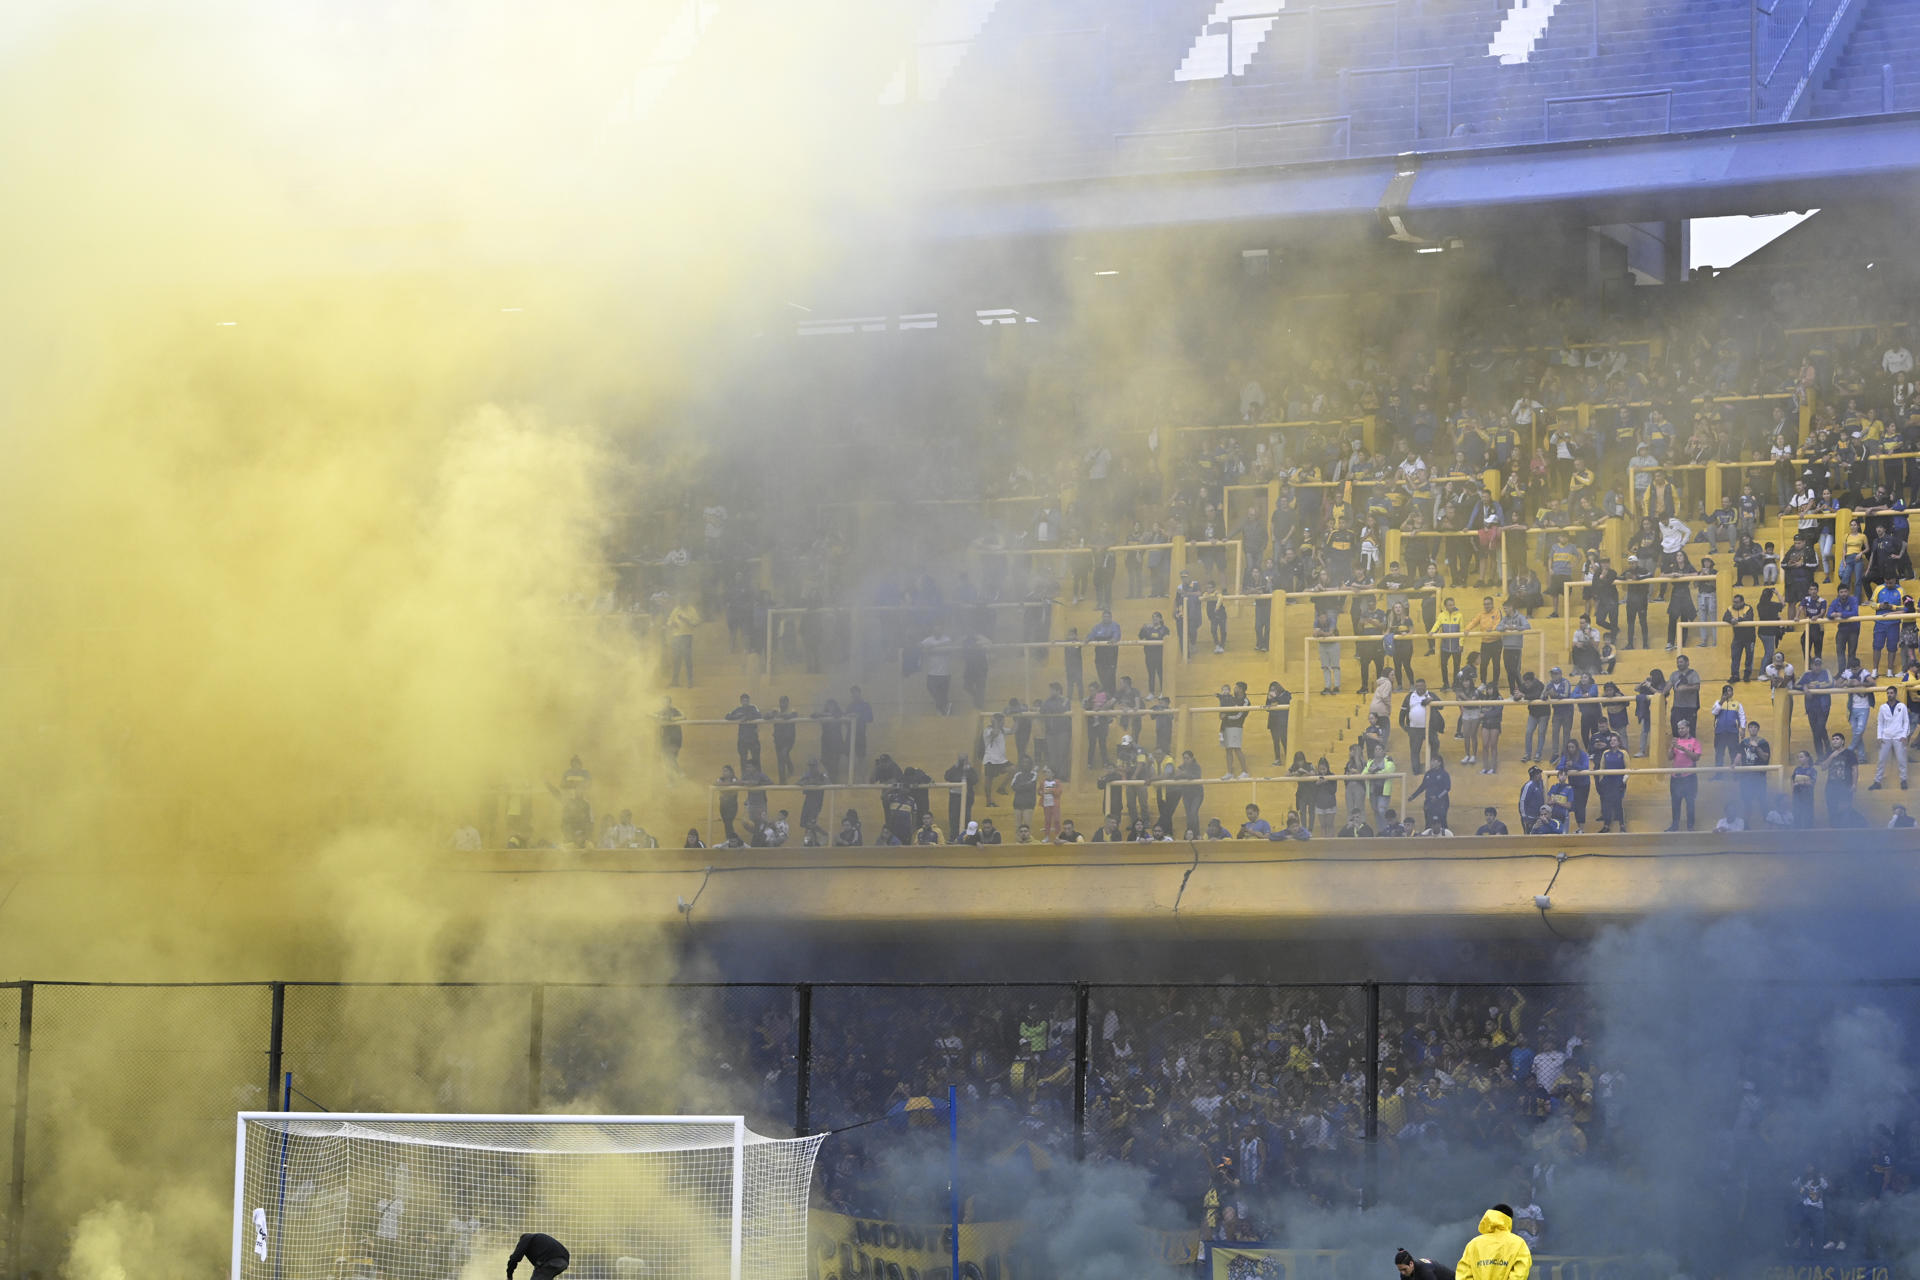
276	1038
17	1209
1082	1046
803	1067
536	1046
1370	1187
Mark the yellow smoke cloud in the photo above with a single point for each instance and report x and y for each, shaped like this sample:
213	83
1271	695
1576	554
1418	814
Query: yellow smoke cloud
331	336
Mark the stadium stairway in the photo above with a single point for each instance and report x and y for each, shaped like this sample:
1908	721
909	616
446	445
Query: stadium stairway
1886	36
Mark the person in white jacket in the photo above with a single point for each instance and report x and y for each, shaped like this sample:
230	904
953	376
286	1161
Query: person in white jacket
1893	724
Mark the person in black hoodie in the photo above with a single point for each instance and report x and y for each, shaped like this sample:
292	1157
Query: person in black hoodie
547	1256
1412	1268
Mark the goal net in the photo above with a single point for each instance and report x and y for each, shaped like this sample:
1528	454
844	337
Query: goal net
385	1197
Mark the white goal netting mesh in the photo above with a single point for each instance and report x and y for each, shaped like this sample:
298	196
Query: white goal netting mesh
371	1198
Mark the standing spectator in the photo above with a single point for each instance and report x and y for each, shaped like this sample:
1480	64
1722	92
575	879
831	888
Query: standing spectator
1534	694
993	754
1192	791
1233	729
1654	686
1683	788
671	735
1436	786
1050	796
1279	702
1025	793
1754	752
974	666
1154	651
729	799
1074	660
680	624
1845	613
1513	637
938	661
862	713
1491	718
1806	775
960	803
783	718
1559	692
747	737
1380	790
1843	768
1326	794
1739	618
1105	637
1859	708
833	740
1533	800
1603	597
1420	717
1707	604
1892	725
1683	702
1449	625
1638	593
1486	625
1097	703
1612	786
1324	625
1573	763
1056	719
1216	618
1816	701
1729	720
813	797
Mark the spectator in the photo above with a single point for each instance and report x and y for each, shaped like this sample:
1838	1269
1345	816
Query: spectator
1683	694
1436	785
669	718
680	624
1893	725
1806	776
1279	703
783	718
1492	826
1420	717
1842	770
1684	786
747	738
1729	720
1756	753
1025	792
993	756
1255	827
1533	800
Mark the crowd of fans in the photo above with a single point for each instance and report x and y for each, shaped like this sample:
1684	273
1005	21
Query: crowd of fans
1235	1099
1493	478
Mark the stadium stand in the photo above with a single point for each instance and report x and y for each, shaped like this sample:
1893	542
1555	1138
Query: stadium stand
1742	456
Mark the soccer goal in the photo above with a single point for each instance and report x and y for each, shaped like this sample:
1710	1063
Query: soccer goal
326	1196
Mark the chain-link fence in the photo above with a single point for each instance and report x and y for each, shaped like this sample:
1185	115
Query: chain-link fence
128	1093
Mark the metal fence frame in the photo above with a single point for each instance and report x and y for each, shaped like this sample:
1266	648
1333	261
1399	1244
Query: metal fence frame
273	1042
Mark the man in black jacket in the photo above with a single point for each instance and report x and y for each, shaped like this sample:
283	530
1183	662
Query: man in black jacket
547	1256
1412	1268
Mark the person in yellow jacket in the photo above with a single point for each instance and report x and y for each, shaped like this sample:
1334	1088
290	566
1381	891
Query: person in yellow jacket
1496	1253
1449	624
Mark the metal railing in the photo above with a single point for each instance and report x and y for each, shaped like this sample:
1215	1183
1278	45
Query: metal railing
1546	118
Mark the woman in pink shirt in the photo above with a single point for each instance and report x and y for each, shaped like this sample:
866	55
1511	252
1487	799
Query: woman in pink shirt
1683	787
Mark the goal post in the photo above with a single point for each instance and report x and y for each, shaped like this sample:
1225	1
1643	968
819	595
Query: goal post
377	1196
